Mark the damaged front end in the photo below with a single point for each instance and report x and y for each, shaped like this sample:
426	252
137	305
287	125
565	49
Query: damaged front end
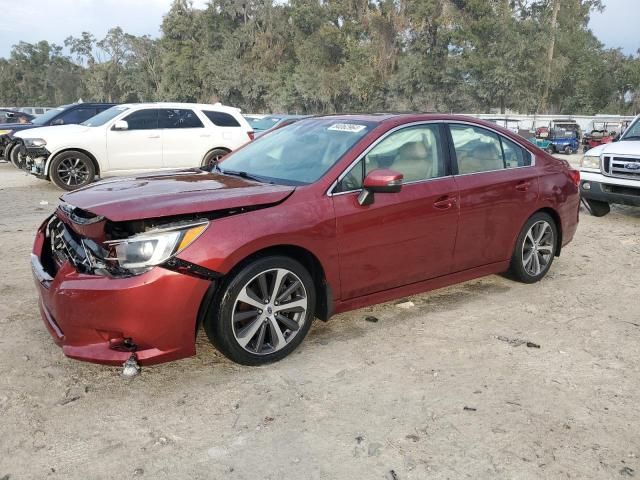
96	246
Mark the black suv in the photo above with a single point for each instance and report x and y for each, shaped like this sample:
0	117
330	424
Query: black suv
64	115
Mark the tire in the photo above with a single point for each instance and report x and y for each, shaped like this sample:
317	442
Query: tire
598	208
550	150
13	155
567	150
535	248
72	170
230	321
213	156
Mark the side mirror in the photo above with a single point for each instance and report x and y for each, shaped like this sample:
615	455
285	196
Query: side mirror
58	122
120	125
379	181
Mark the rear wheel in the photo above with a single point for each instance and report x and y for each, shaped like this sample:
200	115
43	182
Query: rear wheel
567	150
598	208
535	248
72	170
550	150
263	312
212	157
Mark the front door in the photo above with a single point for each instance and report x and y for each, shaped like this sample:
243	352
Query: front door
404	237
139	148
498	187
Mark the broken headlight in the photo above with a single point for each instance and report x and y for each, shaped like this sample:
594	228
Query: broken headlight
34	142
140	253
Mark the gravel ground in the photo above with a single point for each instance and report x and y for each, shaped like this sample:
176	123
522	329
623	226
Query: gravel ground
441	389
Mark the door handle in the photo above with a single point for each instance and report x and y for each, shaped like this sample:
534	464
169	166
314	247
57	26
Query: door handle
523	186
445	203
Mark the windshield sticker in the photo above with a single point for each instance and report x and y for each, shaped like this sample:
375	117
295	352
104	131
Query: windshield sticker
347	127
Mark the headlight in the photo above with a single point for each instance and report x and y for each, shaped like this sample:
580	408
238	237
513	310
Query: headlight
142	252
34	142
5	132
590	162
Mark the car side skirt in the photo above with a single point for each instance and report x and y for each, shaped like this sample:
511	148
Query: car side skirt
421	287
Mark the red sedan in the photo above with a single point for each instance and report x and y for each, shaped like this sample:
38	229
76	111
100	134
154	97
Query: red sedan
326	215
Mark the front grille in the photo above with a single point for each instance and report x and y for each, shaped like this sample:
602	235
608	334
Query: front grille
623	167
65	246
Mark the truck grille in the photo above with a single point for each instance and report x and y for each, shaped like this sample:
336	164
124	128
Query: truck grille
623	167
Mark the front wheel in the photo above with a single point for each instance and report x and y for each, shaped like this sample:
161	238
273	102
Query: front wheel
72	170
18	160
535	248
598	208
550	150
263	312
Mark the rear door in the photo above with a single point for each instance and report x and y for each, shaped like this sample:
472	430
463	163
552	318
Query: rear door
402	237
230	132
138	148
185	140
75	116
498	188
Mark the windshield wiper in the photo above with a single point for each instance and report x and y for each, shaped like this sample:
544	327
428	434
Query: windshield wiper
246	175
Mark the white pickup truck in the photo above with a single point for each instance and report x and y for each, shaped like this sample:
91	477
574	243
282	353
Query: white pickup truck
610	173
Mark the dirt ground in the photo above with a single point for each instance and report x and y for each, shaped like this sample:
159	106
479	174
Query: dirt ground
443	389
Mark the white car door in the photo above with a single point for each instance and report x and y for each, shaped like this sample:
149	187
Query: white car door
139	147
185	139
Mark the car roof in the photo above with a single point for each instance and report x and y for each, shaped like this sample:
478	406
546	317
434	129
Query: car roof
404	117
200	106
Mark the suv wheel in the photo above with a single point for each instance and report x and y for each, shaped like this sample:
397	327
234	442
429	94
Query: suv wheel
212	157
18	160
72	170
598	208
263	312
535	248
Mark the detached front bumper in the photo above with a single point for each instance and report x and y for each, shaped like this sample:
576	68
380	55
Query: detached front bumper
97	319
595	186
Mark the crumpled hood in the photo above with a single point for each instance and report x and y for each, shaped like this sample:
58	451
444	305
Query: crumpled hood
173	193
45	132
631	147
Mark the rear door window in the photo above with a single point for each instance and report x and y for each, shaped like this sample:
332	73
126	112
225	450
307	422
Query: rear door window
78	115
514	155
179	118
477	149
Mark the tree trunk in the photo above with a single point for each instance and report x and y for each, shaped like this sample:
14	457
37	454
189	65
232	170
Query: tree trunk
544	100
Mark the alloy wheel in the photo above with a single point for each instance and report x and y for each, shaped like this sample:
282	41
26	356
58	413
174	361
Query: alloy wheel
73	171
269	311
537	249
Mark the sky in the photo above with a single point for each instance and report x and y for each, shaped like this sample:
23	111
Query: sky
55	20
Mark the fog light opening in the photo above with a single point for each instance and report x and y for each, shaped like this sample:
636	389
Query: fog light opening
586	186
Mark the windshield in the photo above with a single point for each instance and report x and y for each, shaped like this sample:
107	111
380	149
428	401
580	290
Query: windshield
46	117
264	123
633	132
297	154
103	117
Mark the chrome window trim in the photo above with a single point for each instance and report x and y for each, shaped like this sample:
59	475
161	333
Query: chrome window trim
346	171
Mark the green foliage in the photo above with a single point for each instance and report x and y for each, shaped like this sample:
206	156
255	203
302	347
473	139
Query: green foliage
323	56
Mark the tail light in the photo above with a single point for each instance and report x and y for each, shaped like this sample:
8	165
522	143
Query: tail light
251	135
575	177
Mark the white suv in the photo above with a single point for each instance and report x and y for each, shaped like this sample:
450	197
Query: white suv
134	138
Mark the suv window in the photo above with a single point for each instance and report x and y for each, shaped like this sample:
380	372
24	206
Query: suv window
143	119
477	149
179	118
77	115
220	119
416	152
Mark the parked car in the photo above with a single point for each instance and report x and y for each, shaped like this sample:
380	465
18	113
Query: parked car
562	141
568	125
64	115
14	116
273	122
611	173
35	111
134	138
327	215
